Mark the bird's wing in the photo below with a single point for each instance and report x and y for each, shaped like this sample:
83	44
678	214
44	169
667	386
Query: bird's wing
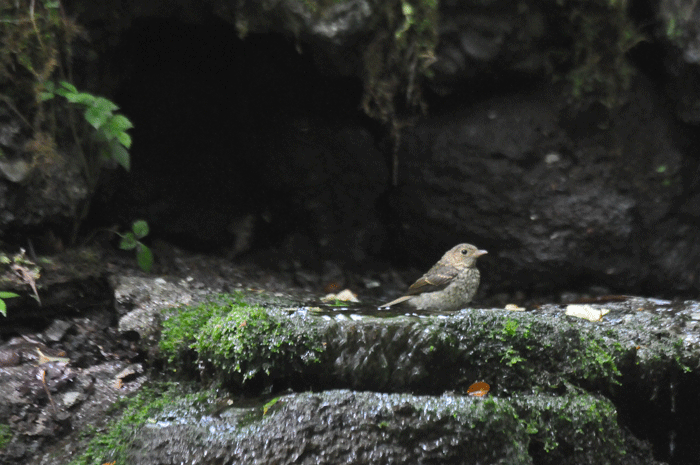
437	279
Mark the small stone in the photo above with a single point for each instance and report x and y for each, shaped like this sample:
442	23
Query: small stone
71	398
552	158
57	330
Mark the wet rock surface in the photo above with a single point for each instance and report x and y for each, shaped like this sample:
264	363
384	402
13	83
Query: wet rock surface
333	427
642	356
634	372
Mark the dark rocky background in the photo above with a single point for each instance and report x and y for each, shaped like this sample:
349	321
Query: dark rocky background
560	136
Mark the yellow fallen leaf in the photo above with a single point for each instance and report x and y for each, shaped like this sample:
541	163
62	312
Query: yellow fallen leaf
587	312
345	296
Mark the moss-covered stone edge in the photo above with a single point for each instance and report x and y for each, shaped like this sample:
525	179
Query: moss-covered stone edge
553	427
527	351
110	443
232	341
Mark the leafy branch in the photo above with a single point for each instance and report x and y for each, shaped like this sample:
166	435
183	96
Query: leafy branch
110	128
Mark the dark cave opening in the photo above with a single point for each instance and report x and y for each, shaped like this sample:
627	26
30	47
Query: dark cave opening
213	117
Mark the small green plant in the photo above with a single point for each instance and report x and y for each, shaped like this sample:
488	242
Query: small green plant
130	241
510	329
23	271
5	295
511	357
5	435
110	128
269	405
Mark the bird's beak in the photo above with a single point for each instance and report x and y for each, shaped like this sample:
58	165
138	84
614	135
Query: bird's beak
479	253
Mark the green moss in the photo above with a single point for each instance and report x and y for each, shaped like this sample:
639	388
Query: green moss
602	34
573	425
5	435
511	327
674	33
597	361
32	36
574	428
33	39
513	352
527	350
236	340
112	444
511	357
679	346
252	340
397	60
679	20
182	325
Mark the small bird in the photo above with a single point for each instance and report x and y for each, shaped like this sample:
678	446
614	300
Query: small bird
449	285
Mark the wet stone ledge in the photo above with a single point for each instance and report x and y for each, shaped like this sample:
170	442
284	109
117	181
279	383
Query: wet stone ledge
342	426
542	349
635	370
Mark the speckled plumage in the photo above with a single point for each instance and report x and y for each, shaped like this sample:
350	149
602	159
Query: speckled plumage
449	285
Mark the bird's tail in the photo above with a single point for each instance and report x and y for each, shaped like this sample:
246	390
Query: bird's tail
397	301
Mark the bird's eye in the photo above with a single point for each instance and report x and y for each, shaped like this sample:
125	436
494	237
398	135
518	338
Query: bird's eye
464	251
